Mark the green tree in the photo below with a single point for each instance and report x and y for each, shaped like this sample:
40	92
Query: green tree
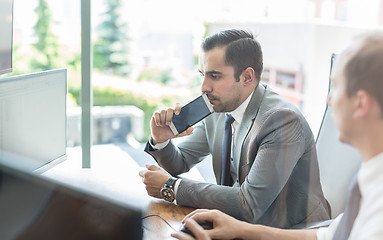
46	46
110	49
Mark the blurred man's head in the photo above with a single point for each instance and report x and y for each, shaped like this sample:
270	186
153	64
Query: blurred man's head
357	82
364	68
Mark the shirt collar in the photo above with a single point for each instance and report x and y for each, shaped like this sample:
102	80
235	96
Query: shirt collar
240	111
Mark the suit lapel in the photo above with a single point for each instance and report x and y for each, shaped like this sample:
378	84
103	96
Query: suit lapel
246	124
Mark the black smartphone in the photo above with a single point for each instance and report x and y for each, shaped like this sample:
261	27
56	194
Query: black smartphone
190	114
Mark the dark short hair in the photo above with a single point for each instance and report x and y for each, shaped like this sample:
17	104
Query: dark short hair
364	68
242	50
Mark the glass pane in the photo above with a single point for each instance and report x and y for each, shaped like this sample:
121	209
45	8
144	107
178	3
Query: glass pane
286	80
266	76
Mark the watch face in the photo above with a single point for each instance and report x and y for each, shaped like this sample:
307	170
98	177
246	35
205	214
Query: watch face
167	194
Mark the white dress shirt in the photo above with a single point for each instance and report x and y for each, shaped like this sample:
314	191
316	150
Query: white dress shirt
369	222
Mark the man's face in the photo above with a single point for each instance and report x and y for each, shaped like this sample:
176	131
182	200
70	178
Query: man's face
219	83
341	102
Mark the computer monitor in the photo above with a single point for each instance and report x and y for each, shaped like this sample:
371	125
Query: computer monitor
35	207
33	119
6	33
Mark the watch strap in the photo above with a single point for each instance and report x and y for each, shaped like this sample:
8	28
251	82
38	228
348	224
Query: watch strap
170	182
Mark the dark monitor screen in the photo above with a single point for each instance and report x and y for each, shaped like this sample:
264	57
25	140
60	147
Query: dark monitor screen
6	33
34	207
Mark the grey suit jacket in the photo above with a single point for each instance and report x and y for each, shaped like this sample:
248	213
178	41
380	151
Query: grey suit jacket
278	176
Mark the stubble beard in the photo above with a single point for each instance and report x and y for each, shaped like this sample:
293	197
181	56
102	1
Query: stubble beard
222	106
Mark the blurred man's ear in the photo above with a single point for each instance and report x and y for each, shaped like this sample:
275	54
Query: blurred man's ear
363	104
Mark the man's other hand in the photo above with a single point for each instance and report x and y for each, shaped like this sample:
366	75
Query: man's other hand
154	178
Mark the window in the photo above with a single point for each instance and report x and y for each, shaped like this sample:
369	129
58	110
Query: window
285	80
153	61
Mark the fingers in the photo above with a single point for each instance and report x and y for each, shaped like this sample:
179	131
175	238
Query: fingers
168	116
148	173
151	188
182	236
186	132
154	178
152	167
160	125
164	117
197	230
204	216
177	109
194	213
142	173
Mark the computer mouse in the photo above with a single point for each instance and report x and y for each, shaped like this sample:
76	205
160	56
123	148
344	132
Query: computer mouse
204	224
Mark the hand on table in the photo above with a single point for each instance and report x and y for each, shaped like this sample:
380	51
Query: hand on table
154	178
224	226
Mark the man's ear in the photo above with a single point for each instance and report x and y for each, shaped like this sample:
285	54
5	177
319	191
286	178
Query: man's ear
248	76
362	104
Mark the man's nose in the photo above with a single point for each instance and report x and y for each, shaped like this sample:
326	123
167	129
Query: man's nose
205	87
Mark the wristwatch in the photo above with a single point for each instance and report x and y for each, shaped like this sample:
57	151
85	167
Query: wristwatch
167	191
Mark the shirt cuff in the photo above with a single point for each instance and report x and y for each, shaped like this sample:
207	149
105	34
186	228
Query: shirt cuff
176	184
158	146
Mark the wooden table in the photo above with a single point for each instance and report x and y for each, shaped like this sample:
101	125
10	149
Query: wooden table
156	228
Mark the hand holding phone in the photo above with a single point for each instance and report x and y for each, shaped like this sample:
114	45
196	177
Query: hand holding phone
190	114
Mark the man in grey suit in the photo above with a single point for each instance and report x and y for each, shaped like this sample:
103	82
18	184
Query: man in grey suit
273	168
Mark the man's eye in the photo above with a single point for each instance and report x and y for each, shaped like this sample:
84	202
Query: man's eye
214	76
